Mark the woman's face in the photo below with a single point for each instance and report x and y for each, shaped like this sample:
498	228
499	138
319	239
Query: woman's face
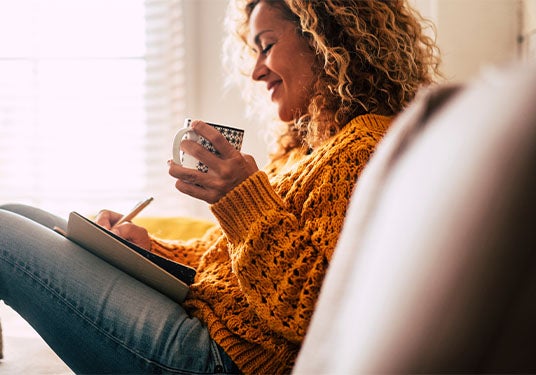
284	60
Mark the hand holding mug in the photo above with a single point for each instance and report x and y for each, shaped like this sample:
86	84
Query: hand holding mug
233	135
207	162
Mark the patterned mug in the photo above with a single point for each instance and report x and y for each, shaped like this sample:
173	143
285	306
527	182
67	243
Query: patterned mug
233	135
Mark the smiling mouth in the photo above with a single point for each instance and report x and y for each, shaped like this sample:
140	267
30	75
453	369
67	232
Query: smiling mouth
272	87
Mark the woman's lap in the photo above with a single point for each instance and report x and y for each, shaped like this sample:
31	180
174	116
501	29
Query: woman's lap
97	318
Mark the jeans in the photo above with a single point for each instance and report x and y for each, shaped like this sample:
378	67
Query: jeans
95	317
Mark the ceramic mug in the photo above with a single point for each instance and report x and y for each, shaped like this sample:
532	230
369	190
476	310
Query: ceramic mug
233	135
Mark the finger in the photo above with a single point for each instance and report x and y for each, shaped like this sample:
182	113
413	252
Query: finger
199	152
222	174
193	177
197	191
215	164
230	172
220	143
133	233
189	175
107	218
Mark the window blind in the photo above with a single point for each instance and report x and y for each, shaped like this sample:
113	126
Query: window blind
90	95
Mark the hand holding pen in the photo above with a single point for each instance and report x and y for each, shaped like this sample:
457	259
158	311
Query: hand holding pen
134	212
121	225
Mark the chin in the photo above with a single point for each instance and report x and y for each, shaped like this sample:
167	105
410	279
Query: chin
286	116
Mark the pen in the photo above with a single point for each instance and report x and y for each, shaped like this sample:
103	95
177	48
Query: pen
136	210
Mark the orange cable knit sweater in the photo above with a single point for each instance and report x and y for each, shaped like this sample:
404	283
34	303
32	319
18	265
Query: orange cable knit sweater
259	274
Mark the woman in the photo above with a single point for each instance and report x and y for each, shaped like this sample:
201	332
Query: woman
337	72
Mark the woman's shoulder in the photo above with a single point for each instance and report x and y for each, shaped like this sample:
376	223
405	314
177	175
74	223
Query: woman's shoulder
360	133
368	123
363	131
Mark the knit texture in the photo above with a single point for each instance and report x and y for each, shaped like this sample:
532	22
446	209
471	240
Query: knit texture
259	273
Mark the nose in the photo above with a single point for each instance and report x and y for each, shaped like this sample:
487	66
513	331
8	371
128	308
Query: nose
260	70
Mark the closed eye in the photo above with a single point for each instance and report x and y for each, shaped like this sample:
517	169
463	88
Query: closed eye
267	49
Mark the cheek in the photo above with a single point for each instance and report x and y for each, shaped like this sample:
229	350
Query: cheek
304	71
305	83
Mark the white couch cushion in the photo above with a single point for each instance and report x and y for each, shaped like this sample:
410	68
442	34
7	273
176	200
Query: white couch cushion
435	268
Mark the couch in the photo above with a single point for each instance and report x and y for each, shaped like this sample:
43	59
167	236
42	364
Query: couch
435	269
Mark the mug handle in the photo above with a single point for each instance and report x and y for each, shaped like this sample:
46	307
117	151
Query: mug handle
177	144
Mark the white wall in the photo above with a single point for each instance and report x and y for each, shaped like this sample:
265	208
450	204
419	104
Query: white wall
473	34
529	30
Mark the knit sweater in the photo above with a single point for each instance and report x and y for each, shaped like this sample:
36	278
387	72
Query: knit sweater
259	273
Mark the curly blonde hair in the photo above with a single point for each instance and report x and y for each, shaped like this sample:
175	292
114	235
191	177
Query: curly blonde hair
372	56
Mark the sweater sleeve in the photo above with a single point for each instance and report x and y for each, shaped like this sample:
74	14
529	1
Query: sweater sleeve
280	248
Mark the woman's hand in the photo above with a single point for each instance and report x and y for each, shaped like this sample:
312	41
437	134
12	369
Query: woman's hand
130	232
225	171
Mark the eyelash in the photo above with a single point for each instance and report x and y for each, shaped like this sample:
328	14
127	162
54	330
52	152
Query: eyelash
266	49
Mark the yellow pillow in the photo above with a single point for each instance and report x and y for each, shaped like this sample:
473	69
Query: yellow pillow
175	228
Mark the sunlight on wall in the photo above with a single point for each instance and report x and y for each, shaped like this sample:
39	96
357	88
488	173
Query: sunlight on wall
72	114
